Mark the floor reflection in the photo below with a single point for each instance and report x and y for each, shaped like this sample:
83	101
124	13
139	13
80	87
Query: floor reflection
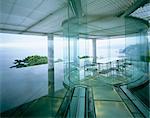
107	101
23	85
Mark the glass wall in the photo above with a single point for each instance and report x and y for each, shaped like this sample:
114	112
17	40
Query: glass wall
85	47
123	52
103	48
137	49
58	63
75	48
137	54
117	46
110	47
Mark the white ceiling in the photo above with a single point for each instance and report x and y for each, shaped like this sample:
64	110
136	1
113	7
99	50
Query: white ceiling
32	15
143	12
46	16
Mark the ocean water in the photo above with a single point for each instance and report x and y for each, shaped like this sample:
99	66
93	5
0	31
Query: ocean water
21	85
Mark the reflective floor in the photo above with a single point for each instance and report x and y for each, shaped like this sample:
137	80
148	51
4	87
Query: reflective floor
108	103
19	86
105	98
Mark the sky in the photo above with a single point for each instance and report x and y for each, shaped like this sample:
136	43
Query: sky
22	41
39	42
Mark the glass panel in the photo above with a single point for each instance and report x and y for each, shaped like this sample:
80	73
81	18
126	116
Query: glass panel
117	45
71	29
58	64
103	48
137	53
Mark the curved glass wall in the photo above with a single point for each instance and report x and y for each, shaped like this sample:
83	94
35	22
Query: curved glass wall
121	55
137	53
124	55
71	31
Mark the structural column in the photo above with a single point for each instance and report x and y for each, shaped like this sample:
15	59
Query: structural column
50	64
94	50
51	72
50	51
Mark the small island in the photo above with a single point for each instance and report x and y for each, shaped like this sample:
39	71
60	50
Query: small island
30	61
84	57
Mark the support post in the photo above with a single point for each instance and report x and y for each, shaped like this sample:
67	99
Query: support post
94	50
50	52
51	71
50	64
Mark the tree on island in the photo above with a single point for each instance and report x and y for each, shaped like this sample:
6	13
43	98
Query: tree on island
30	61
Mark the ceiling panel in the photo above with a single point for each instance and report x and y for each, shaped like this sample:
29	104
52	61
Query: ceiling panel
53	22
3	17
107	7
21	14
47	15
143	12
12	27
6	9
29	4
50	5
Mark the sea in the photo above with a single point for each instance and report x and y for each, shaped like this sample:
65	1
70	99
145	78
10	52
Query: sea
21	85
